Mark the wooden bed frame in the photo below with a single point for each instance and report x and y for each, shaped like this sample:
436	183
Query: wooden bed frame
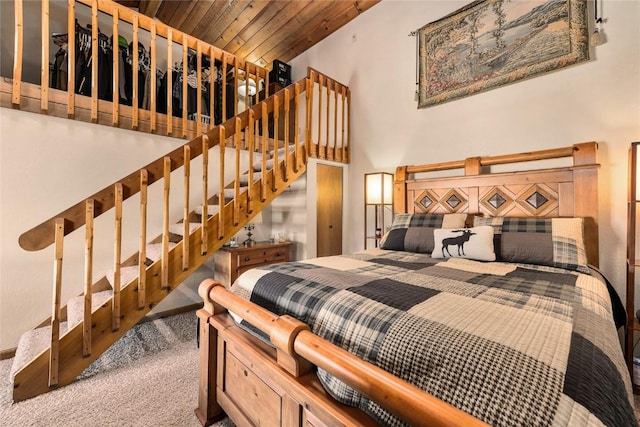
256	384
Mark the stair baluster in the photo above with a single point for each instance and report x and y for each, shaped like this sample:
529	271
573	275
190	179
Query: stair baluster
235	85
342	146
54	351
169	82
287	103
142	252
276	144
296	135
252	135
308	115
186	223
17	63
152	100
117	257
94	61
71	58
165	224
335	123
320	147
88	278
224	88
135	65
185	72
199	88
115	92
44	62
212	88
222	143
348	152
204	248
265	142
236	186
327	145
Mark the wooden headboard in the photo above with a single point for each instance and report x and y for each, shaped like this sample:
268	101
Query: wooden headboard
544	193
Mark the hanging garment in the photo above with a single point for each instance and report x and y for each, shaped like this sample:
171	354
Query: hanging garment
59	69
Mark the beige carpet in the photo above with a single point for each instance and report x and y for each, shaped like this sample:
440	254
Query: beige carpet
150	379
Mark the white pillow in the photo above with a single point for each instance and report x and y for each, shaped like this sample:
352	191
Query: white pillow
471	243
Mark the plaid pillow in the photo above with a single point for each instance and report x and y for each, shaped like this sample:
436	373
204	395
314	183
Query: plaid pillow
557	242
414	232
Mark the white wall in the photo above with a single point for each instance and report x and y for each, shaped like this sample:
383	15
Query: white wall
48	164
594	101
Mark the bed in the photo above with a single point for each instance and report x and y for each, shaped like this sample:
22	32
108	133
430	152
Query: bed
482	307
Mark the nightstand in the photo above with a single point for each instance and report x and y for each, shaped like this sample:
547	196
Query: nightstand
230	262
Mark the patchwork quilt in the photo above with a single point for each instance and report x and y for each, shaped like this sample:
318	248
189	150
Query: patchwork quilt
511	344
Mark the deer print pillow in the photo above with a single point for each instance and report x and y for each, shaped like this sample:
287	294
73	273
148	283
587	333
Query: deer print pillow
471	243
414	232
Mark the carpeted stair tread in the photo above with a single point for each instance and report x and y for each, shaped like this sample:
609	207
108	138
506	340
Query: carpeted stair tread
127	274
179	228
31	344
292	148
244	179
230	193
257	166
211	210
75	306
154	251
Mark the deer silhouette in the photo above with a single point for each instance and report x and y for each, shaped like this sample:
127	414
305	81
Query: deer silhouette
458	241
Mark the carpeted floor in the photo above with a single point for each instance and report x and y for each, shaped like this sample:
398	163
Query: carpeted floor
148	378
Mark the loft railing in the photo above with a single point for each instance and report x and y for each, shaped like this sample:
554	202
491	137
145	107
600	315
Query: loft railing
167	48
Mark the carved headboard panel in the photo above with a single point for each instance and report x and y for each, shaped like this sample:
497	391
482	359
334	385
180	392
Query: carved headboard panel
558	192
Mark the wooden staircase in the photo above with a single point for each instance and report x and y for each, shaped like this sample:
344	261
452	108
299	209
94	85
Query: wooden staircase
78	332
110	306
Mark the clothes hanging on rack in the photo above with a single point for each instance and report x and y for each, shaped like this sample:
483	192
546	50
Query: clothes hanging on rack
58	78
83	61
124	51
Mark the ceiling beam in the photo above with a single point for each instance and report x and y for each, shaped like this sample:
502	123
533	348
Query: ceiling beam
150	7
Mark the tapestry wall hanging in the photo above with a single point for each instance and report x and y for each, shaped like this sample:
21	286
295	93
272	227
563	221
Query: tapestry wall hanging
490	43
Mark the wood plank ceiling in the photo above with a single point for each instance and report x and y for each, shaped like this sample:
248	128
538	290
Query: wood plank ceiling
258	31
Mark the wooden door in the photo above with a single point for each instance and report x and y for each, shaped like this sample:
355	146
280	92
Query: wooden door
329	210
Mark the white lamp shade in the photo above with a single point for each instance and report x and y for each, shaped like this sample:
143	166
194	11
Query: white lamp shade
378	188
242	87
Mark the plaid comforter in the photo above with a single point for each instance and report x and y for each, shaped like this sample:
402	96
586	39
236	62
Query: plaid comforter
511	344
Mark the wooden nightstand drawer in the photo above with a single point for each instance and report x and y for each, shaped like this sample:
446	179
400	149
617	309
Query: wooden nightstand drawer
229	263
262	255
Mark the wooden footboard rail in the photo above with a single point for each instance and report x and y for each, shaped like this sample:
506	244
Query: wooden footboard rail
297	349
